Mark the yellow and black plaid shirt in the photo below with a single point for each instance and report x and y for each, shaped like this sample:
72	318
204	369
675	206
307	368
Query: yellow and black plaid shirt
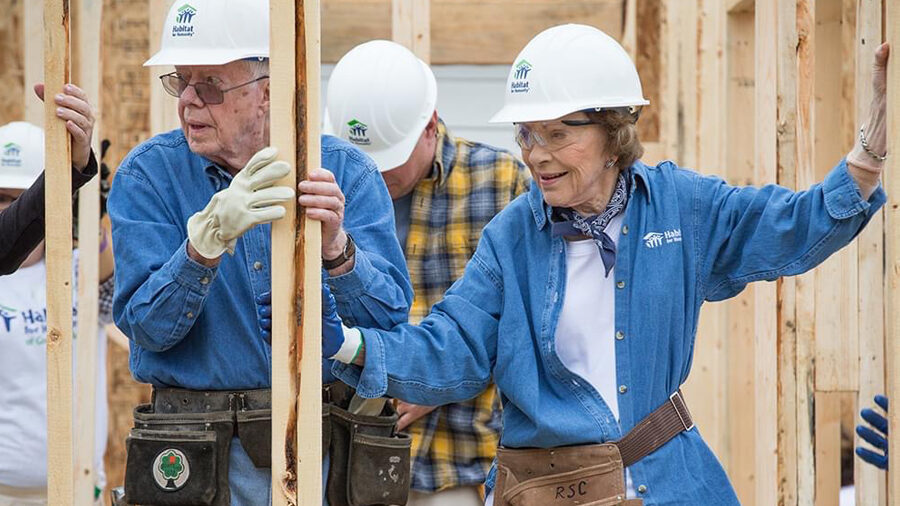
455	444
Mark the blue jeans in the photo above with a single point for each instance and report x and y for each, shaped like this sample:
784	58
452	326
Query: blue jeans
250	485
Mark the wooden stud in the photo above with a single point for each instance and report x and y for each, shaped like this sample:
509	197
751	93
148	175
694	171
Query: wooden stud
411	26
870	481
296	260
629	28
33	26
766	320
86	62
58	174
163	107
828	448
892	234
12	103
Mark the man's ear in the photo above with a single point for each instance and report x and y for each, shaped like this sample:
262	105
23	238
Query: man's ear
431	127
265	95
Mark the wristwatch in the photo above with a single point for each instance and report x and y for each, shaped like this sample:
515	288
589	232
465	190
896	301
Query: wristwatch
347	253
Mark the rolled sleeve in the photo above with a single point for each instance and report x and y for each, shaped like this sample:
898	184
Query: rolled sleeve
351	285
842	196
372	381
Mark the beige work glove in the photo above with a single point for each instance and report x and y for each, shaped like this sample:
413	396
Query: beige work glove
249	201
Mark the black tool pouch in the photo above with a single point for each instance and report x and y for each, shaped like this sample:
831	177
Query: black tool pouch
178	459
255	431
370	464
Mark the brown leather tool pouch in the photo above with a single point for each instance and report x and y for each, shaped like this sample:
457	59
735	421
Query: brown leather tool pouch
588	475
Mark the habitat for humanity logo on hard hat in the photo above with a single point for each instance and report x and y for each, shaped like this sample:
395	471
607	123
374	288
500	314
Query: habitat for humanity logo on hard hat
358	132
520	77
183	26
12	155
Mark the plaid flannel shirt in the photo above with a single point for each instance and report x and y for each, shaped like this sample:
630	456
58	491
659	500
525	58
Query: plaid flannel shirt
455	444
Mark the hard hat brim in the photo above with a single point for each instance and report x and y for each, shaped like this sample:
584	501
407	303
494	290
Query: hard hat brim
396	155
201	57
16	182
525	113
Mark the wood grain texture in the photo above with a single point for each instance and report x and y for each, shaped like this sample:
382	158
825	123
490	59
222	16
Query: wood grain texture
828	448
86	22
33	53
12	78
411	26
58	173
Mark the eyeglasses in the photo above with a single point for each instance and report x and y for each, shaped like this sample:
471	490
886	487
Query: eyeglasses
551	137
210	94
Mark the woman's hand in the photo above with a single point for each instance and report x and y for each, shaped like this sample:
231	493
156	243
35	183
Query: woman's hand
864	162
72	107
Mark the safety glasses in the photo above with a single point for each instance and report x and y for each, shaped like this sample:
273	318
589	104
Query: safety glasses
553	136
210	94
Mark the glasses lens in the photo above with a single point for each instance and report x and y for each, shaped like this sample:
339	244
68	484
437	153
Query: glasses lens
173	84
523	137
209	93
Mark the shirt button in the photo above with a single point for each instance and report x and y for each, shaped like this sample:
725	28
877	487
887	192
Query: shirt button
642	489
620	335
190	315
257	266
204	280
623	389
620	284
625	230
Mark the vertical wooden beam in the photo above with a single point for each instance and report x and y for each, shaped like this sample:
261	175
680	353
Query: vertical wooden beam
766	320
828	448
57	164
892	233
870	481
411	26
86	74
629	29
805	295
296	259
12	103
33	27
163	107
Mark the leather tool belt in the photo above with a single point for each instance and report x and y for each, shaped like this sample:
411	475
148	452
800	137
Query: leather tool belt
178	449
586	475
370	461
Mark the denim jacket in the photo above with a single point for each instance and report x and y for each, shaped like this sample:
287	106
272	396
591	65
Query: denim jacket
685	239
196	327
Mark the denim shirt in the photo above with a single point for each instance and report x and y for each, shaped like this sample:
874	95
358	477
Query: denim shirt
196	327
685	239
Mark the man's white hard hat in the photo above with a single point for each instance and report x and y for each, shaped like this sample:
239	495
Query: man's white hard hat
21	154
569	68
380	98
213	32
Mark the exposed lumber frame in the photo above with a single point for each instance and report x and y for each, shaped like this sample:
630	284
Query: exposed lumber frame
892	229
58	174
86	55
296	259
411	26
870	481
33	28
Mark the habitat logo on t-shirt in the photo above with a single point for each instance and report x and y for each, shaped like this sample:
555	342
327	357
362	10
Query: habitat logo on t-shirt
33	323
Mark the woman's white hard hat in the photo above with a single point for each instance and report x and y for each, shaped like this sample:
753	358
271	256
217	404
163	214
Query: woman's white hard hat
21	154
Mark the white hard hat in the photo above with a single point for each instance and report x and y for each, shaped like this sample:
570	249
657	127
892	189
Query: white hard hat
213	32
21	154
380	98
565	69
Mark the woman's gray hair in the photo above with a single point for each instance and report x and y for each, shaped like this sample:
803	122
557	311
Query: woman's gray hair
622	140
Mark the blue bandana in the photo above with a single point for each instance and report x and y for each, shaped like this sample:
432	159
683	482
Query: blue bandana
569	223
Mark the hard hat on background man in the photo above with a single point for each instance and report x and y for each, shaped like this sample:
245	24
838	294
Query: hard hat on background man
213	32
380	98
565	69
21	154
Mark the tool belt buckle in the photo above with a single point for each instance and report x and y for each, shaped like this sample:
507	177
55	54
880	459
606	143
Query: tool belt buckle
677	393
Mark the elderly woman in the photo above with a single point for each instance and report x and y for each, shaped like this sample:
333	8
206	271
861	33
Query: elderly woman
582	298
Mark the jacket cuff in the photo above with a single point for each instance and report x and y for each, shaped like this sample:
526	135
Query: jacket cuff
189	273
842	196
352	285
371	380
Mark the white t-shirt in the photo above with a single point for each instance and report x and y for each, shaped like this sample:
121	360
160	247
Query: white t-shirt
23	374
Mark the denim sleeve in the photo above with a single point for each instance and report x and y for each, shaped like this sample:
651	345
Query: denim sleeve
159	290
449	356
746	234
377	292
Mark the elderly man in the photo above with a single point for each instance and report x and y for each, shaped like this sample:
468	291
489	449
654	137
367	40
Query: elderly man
180	201
445	190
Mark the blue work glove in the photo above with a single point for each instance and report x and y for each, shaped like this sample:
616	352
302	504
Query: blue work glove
877	437
332	330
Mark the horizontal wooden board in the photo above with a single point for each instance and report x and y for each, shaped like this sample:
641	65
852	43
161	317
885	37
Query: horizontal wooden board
465	31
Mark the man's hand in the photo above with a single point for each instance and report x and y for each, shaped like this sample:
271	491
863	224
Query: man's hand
864	167
324	202
876	437
250	200
409	413
73	108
